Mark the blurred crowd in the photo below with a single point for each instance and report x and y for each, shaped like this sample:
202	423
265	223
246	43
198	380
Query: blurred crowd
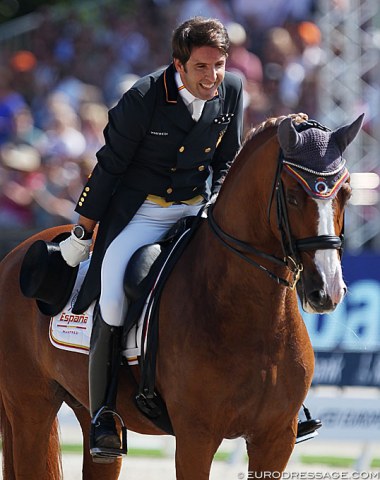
55	94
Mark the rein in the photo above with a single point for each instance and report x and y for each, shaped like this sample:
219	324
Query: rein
242	247
291	247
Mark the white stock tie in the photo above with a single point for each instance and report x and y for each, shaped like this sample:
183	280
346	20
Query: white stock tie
197	108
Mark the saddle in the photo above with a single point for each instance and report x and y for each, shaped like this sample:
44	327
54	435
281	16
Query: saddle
144	279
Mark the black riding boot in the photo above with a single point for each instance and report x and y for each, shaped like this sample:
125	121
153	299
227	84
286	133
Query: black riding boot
104	361
307	429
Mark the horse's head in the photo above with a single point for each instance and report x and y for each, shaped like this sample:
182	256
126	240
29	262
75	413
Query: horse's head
312	192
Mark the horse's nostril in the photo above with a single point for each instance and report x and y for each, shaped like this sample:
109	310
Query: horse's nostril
344	291
318	297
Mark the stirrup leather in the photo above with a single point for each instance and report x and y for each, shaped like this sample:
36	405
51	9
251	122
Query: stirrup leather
106	454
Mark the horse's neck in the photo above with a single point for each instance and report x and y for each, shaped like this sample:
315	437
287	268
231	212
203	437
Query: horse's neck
241	296
242	206
241	211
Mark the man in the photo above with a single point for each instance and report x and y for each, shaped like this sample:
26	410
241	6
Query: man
166	136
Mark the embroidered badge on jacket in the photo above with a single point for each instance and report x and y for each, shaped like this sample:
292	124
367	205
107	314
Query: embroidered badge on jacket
224	118
159	134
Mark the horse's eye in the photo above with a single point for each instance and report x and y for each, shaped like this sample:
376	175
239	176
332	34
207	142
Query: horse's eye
292	199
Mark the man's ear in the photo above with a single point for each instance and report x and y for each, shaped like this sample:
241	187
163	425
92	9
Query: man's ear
178	65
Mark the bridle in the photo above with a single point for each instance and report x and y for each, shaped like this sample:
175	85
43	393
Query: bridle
291	247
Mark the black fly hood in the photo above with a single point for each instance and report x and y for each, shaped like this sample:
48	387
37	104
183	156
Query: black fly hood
313	155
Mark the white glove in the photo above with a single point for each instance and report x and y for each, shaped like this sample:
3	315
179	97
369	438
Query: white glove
74	250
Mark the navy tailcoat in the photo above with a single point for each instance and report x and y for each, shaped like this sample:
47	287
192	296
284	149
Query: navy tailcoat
153	146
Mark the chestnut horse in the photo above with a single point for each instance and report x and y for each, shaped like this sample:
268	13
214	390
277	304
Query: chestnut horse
234	357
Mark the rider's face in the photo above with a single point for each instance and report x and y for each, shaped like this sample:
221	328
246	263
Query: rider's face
203	72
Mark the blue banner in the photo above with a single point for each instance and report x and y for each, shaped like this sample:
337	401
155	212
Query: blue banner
347	341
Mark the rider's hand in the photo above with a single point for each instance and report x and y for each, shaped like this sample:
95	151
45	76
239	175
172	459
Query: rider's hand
74	250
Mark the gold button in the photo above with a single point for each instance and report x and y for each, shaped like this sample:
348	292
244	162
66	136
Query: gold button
201	168
80	204
82	199
207	150
87	189
84	194
182	149
169	190
173	169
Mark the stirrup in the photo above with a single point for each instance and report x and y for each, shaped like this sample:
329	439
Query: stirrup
309	427
106	454
308	436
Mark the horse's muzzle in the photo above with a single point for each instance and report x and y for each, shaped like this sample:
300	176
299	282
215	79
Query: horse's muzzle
317	298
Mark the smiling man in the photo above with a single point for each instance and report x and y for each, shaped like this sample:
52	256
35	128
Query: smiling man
171	132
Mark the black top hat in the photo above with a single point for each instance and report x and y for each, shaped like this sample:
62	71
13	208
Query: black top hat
46	276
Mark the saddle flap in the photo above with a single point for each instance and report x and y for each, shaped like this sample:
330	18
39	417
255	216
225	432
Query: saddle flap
140	265
138	268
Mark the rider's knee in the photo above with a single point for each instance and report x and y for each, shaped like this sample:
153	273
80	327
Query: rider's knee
113	312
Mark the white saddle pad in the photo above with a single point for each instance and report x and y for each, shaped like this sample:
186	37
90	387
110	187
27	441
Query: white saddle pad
69	331
72	332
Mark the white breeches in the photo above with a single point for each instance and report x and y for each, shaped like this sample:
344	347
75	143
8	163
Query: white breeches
149	225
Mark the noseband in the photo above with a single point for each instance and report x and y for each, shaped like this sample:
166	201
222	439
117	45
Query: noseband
291	247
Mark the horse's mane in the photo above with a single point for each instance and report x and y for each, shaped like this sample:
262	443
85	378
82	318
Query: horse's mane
251	140
274	122
251	137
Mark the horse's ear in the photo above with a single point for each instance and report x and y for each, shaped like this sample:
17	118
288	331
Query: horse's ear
287	135
344	135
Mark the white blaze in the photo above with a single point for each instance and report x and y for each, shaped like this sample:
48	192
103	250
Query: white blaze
327	261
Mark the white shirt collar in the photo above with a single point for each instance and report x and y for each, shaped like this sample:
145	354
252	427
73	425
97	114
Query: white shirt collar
187	97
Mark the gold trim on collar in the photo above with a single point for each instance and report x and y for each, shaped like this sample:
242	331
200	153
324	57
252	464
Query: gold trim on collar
166	90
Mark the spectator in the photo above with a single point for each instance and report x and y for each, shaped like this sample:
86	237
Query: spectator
25	131
19	176
93	117
11	102
65	140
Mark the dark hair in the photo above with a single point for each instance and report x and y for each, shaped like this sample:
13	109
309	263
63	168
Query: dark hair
199	32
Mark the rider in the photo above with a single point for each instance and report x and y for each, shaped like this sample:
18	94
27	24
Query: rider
171	132
164	138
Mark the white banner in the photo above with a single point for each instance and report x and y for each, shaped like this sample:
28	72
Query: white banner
346	418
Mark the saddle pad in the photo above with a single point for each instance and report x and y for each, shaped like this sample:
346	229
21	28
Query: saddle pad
69	331
72	332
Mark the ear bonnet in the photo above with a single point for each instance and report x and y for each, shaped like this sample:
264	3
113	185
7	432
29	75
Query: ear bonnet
313	154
